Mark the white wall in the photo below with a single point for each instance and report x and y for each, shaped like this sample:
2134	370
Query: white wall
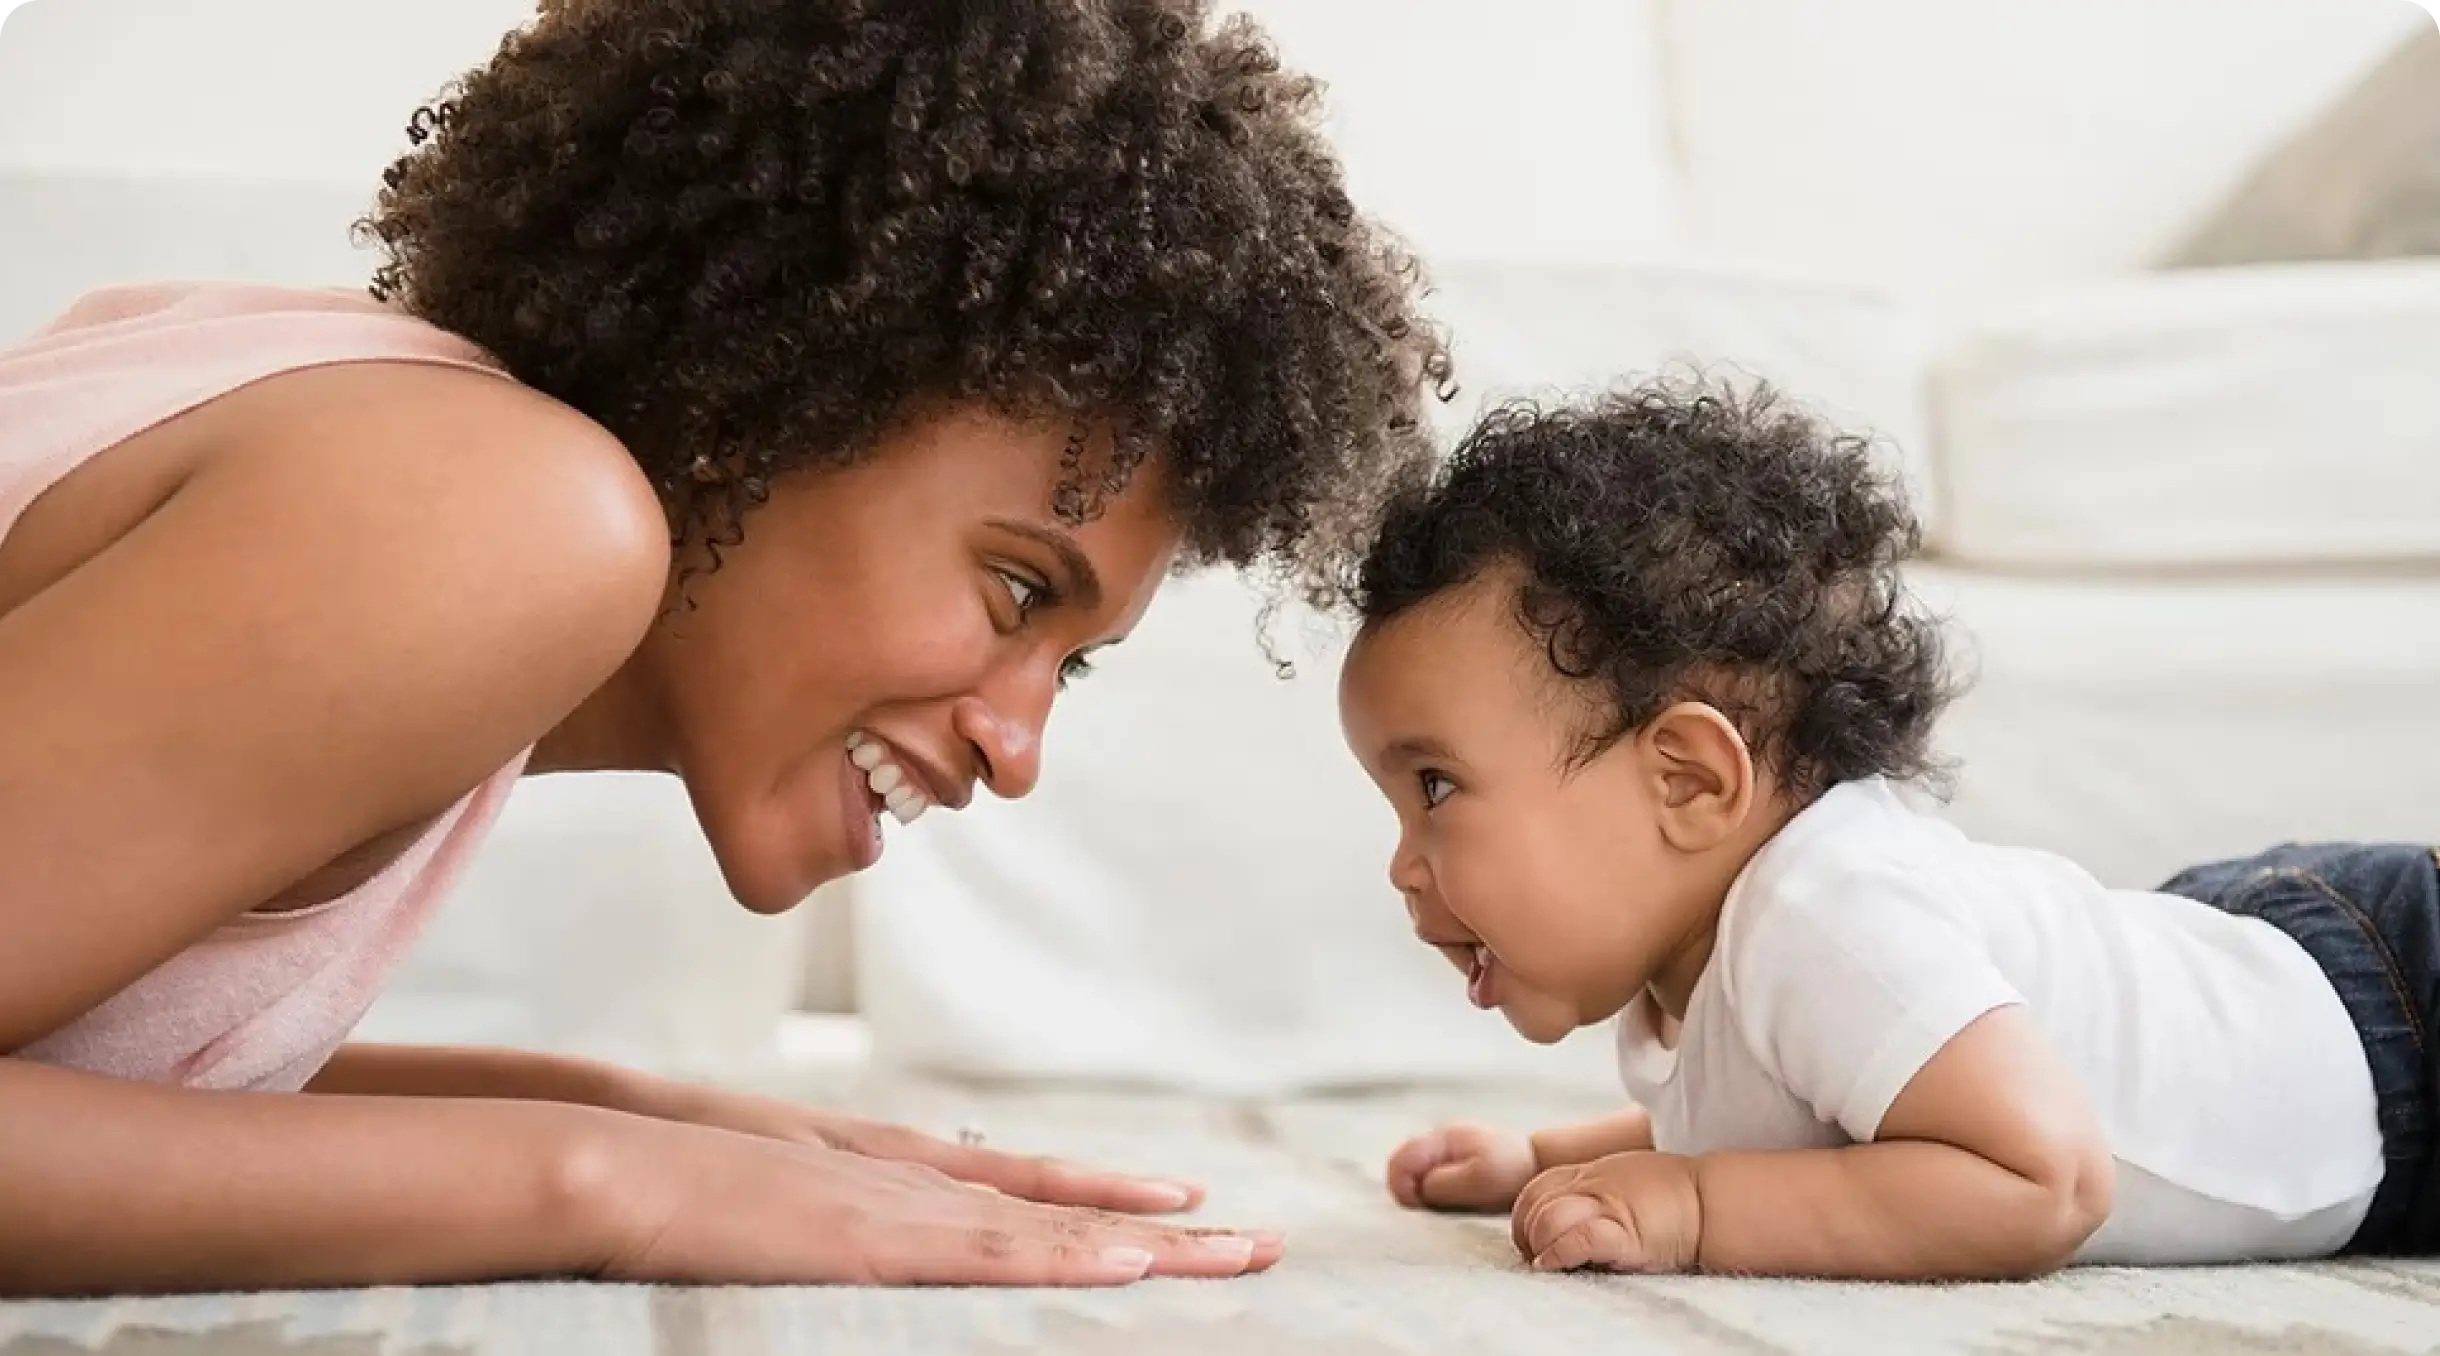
1526	129
1530	130
286	89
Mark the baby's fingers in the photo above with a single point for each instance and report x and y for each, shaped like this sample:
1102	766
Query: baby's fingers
1413	1160
1597	1242
1550	1219
1465	1184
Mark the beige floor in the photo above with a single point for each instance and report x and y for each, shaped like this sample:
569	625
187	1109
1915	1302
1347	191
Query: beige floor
1362	1279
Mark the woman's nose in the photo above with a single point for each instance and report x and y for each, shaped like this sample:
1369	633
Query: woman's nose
1004	728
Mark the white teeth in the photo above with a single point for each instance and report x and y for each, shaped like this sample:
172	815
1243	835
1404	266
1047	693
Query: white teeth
888	781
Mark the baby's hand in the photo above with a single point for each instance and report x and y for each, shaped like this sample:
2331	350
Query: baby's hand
1461	1167
1637	1212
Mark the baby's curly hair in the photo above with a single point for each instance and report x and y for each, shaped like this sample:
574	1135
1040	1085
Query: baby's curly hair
1688	542
743	235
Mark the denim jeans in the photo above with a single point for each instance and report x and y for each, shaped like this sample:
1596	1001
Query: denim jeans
2370	916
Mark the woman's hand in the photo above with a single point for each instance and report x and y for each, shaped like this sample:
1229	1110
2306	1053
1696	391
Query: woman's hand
1032	1178
444	1071
686	1203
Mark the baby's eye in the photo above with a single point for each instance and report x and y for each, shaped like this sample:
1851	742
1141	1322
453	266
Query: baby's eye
1073	668
1435	786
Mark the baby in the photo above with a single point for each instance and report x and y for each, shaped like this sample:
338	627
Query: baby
1642	683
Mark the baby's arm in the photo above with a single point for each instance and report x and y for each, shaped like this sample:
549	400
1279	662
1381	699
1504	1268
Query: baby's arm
1564	1145
1989	1164
1473	1167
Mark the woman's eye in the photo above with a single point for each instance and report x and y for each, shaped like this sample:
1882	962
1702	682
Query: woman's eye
1435	786
1074	667
1024	592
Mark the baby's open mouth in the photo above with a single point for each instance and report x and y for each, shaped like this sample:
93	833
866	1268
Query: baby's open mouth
1479	973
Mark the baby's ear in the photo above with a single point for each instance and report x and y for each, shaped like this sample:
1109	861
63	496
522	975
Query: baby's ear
1703	772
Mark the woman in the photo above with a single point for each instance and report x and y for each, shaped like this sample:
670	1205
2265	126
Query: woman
790	395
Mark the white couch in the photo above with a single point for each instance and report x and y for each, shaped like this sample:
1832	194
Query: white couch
2188	521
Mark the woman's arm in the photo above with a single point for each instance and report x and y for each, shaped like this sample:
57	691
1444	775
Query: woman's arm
114	1187
443	1071
117	1187
361	1070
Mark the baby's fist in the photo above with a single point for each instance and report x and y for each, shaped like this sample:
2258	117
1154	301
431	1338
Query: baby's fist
1461	1167
1636	1212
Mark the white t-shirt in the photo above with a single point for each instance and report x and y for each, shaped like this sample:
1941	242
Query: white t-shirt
2230	1081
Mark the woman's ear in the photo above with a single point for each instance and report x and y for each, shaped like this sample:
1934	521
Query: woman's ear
1703	772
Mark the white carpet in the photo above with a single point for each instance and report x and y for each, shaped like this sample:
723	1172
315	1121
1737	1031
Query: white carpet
1361	1278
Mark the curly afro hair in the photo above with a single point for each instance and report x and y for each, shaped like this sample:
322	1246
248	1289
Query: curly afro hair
744	234
1693	543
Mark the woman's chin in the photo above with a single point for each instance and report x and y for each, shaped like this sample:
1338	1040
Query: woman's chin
772	873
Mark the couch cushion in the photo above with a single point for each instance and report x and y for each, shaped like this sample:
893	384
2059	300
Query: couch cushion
2141	727
2269	417
2362	182
1852	355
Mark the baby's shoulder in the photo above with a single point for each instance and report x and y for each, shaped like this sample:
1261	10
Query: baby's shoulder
1858	847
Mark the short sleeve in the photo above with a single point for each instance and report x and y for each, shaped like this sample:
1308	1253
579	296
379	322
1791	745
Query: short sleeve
1844	989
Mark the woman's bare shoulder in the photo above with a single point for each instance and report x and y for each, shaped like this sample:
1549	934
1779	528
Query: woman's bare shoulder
524	523
369	589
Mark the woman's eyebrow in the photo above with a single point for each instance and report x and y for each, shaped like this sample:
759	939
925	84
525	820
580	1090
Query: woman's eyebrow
1083	582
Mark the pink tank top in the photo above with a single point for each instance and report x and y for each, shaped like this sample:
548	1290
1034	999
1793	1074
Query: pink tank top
261	1003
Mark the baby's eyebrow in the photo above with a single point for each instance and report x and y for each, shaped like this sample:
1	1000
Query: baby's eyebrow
1418	749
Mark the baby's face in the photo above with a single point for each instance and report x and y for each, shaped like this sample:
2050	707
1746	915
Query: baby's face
1551	888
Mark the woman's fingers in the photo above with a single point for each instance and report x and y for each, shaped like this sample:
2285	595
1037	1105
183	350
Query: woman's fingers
1176	1252
985	1255
1050	1181
1004	1206
1070	1252
1054	1181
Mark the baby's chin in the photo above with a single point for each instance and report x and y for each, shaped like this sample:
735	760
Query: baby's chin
1546	1019
1540	1020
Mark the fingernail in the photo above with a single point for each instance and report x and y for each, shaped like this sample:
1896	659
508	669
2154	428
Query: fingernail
1132	1261
1170	1195
1234	1249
